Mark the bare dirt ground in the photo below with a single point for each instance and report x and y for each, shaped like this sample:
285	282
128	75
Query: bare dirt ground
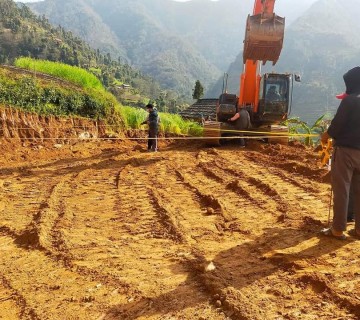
105	230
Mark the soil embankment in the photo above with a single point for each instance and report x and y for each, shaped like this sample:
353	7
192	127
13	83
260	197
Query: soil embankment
100	229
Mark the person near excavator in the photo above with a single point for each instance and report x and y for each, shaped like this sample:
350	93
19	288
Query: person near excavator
242	122
152	121
345	131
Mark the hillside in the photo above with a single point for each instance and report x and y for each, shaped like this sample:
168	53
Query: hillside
147	41
330	48
22	33
216	33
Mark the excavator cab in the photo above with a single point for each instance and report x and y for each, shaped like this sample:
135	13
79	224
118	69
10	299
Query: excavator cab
264	37
274	98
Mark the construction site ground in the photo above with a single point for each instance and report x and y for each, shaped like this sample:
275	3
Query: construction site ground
105	230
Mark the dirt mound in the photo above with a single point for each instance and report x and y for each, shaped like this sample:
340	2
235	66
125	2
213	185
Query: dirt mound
20	126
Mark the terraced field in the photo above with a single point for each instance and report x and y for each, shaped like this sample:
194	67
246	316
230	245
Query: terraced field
105	230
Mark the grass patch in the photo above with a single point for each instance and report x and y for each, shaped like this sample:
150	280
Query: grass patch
169	123
44	96
73	74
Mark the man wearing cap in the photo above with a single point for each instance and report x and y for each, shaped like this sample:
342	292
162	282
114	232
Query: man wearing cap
345	130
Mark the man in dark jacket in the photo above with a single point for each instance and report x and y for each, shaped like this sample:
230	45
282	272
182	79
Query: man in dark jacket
152	121
242	122
345	130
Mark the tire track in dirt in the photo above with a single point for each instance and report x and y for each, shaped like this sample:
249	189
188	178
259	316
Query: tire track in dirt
237	199
128	236
41	233
76	233
289	171
237	183
12	304
223	298
196	214
37	234
145	229
295	200
188	197
118	231
17	214
183	217
48	290
229	298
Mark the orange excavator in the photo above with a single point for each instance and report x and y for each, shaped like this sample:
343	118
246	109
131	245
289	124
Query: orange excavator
267	97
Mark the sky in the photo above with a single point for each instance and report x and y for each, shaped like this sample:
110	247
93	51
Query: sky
40	0
170	0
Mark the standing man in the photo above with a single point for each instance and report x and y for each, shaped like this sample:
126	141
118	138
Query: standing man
242	122
152	121
345	130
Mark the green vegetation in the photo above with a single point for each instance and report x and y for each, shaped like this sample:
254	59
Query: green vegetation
173	123
146	35
46	96
133	117
170	123
88	75
23	34
297	126
73	74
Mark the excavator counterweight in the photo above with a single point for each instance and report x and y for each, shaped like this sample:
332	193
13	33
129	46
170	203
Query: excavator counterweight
264	37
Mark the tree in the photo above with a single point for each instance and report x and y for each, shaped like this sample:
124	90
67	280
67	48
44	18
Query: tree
198	91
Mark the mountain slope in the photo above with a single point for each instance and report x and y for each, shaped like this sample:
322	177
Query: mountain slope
24	34
89	25
322	45
176	43
147	43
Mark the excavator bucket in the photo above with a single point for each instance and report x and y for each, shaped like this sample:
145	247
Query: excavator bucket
264	37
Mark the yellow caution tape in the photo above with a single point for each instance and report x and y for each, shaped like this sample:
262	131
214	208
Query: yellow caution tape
280	134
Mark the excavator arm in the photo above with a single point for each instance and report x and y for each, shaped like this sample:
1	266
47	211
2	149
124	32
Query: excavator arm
264	33
263	42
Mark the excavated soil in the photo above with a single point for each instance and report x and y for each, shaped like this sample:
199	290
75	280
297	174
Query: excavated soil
104	230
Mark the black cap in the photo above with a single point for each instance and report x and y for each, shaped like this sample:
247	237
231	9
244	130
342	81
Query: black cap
352	80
